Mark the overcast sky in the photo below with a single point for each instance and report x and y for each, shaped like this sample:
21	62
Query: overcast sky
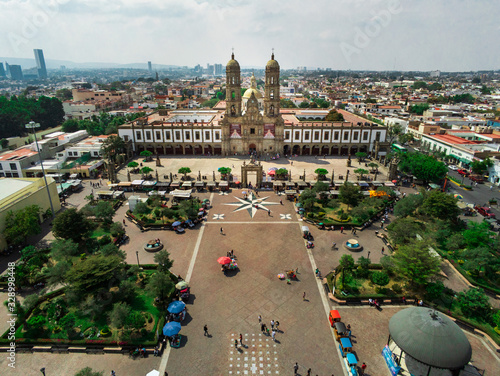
452	35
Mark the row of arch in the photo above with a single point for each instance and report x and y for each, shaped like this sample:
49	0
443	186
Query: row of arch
324	150
181	150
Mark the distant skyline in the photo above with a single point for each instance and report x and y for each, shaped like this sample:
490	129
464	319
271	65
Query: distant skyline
456	35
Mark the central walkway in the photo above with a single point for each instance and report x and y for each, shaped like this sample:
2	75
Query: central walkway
265	244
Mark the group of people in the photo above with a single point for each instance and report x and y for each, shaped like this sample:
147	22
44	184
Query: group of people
274	328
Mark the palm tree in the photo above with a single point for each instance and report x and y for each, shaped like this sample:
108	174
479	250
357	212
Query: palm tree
112	147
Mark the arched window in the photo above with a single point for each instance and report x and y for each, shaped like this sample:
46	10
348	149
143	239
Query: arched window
272	80
233	110
271	110
233	79
272	94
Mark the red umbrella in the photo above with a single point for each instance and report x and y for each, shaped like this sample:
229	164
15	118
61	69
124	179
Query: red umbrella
272	172
224	260
394	181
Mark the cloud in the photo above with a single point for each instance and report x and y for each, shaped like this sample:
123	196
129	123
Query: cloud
423	35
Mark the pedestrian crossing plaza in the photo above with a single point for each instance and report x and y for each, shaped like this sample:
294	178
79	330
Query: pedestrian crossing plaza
256	356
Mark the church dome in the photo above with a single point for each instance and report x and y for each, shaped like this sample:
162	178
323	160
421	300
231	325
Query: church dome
252	89
272	63
232	63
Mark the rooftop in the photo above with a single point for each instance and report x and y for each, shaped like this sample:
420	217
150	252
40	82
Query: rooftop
9	186
453	139
18	154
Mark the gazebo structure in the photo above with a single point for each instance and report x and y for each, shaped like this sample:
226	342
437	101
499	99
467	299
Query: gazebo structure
423	341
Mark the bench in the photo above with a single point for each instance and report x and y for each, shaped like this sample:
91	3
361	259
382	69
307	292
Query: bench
94	351
60	349
42	348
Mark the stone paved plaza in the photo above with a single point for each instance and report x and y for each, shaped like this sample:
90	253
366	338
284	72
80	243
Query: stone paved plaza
265	245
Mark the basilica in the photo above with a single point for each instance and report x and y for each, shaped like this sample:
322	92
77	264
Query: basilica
252	123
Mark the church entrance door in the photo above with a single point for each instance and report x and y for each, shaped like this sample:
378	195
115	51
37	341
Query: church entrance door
252	148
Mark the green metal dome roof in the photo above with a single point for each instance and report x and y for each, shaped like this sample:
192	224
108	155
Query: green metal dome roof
430	337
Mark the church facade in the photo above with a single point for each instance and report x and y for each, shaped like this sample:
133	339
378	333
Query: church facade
252	123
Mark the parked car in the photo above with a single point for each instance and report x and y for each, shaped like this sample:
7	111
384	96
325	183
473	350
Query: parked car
463	172
485	211
476	178
453	167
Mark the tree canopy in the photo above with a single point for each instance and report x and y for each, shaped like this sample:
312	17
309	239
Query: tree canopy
414	262
423	167
321	172
440	205
334	115
71	224
184	170
93	272
480	167
21	224
350	194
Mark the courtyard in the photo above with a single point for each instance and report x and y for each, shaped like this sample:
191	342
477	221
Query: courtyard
265	244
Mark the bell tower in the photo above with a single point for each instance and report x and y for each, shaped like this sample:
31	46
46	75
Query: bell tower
233	88
272	89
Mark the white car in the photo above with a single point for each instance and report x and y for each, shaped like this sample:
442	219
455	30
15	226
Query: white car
453	167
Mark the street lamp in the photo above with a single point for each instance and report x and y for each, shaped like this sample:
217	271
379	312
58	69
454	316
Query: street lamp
33	125
42	370
137	254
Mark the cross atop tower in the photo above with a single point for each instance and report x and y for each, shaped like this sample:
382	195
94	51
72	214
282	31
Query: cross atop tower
232	53
272	55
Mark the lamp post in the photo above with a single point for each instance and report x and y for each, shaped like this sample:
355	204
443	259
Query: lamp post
137	254
33	125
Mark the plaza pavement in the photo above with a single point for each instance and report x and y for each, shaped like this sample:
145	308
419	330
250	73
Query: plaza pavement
265	246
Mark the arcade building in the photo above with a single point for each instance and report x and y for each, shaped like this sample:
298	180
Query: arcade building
253	122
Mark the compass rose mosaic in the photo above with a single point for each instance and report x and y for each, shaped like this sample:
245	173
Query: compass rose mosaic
252	204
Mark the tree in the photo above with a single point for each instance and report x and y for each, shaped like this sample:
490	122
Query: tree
185	171
57	274
64	249
405	138
360	172
111	147
380	278
434	290
71	224
414	262
334	115
307	198
147	154
223	171
346	263
373	165
403	230
475	304
361	155
440	205
304	104
287	103
21	224
419	108
163	260
350	194
321	172
478	235
4	143
133	164
93	272
419	85
480	259
160	286
408	205
119	313
281	173
104	212
394	131
87	371
146	170
70	125
364	266
480	167
423	167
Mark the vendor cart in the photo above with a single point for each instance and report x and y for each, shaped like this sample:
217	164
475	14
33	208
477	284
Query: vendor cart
334	317
340	330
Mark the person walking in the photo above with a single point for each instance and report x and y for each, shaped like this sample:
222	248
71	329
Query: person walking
221	231
342	229
113	373
273	334
124	222
277	325
241	340
272	324
295	368
368	254
281	202
363	368
382	250
235	343
205	330
262	327
260	319
309	372
304	296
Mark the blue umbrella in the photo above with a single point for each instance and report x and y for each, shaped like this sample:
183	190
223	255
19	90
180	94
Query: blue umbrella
176	306
177	223
171	328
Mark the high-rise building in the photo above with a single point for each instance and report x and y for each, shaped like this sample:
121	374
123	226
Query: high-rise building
218	69
40	64
7	69
150	67
2	71
16	72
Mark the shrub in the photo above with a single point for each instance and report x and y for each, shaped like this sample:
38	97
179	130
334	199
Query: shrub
397	288
380	278
106	239
434	290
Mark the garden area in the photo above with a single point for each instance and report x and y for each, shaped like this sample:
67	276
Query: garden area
351	207
98	298
471	247
155	211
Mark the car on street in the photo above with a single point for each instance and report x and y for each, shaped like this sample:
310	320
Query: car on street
463	172
485	211
453	167
476	178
